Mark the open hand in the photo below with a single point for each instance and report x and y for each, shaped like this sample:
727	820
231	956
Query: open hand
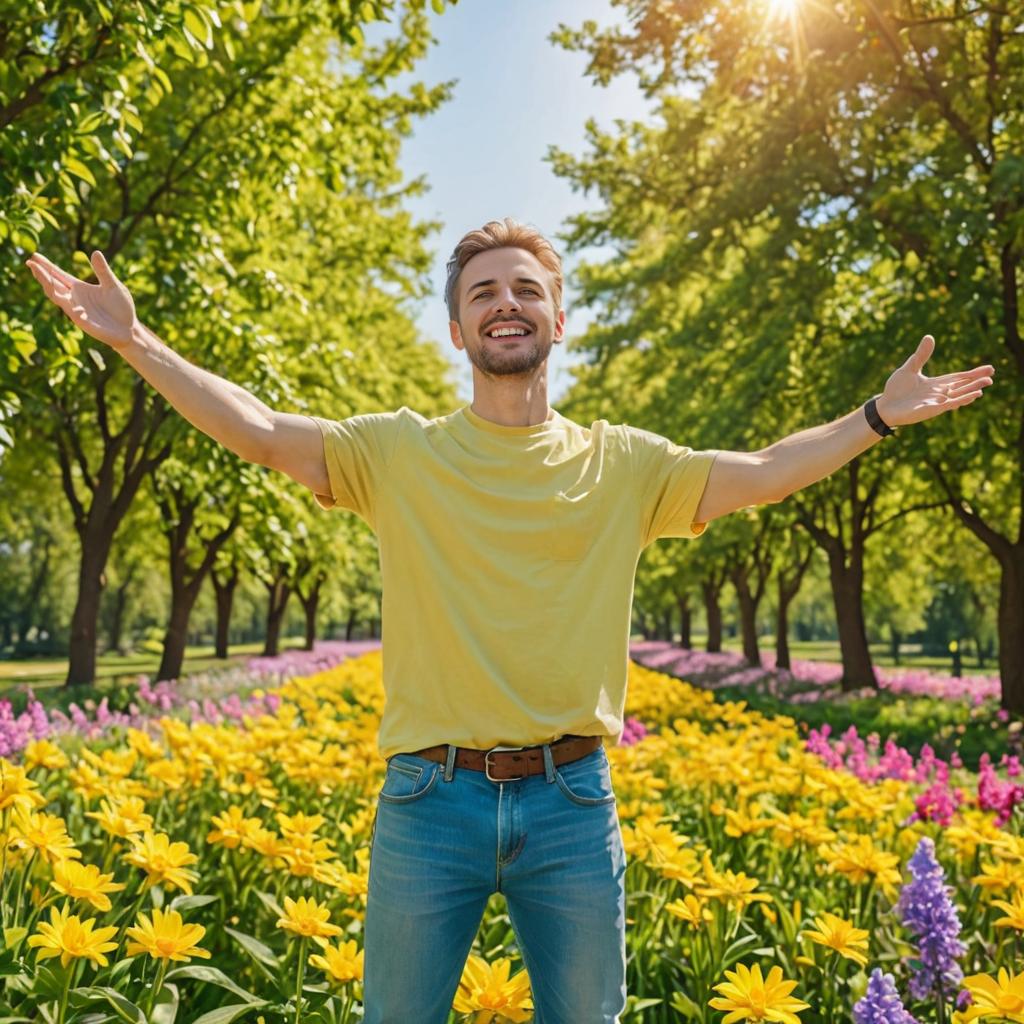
106	310
911	397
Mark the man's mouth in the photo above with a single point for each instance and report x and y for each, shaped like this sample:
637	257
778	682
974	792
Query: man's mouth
507	332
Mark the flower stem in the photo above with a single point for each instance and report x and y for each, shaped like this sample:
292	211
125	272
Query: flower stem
300	971
157	985
64	993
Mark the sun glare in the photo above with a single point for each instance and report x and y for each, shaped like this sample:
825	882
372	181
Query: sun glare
782	9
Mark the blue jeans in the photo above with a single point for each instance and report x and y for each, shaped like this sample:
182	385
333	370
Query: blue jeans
445	839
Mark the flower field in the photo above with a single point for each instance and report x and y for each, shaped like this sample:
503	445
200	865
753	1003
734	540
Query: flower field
202	865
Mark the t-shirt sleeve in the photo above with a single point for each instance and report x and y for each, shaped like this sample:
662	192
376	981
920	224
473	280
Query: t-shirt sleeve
358	451
670	480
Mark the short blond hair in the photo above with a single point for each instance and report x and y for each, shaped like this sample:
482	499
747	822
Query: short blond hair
501	234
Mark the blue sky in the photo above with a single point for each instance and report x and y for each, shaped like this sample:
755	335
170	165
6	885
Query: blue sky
483	151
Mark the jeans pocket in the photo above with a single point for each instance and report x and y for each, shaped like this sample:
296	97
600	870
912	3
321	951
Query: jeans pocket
587	782
408	779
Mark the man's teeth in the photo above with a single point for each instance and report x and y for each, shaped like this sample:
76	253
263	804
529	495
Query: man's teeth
504	332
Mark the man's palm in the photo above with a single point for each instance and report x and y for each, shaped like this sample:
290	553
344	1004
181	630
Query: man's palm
106	310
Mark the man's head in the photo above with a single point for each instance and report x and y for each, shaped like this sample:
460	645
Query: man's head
505	277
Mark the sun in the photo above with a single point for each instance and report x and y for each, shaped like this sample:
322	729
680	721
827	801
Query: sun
782	9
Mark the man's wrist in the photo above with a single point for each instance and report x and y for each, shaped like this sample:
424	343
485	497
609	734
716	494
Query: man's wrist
875	414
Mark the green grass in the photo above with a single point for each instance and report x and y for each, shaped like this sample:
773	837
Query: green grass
828	650
45	673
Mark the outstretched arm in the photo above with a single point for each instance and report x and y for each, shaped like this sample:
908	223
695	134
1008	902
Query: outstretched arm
741	479
224	411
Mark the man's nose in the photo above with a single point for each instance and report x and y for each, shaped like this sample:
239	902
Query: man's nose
508	300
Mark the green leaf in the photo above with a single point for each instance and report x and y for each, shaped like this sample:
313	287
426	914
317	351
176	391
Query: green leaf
125	1008
77	168
212	976
438	6
270	903
166	1009
198	26
184	902
90	123
226	1014
263	954
13	936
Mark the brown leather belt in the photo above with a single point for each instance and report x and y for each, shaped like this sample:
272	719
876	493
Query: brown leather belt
506	764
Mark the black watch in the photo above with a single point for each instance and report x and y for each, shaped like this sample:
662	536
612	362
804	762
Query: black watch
876	421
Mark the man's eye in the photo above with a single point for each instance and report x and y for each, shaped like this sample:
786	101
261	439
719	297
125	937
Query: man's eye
530	290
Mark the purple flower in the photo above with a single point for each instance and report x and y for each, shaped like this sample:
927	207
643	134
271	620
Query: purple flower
927	910
881	1003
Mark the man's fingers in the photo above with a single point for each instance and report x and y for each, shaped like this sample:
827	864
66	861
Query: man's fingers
923	353
104	274
38	259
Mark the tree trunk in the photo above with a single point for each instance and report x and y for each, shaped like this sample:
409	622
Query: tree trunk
179	514
1011	635
748	602
125	462
120	600
225	594
711	589
895	639
685	620
848	597
978	652
278	593
782	657
351	624
82	641
310	601
666	625
176	635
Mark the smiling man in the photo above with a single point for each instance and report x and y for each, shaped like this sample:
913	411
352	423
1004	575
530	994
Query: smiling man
509	539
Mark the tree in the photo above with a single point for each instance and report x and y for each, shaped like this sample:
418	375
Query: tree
244	114
807	198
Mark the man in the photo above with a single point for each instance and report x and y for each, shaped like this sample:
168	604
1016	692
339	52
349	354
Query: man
509	539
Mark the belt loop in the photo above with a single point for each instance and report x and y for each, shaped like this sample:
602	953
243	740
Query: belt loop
549	764
449	765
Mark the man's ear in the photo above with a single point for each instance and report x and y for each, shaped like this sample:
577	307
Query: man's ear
456	332
560	326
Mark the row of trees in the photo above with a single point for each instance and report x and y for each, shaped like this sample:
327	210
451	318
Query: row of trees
816	193
238	163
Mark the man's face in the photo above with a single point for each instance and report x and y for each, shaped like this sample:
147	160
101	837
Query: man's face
506	290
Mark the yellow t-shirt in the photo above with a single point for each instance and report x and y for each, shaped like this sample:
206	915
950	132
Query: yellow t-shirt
508	557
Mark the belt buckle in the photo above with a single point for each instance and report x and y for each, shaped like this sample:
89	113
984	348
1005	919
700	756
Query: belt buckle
487	764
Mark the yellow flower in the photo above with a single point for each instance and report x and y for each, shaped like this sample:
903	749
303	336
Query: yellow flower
163	861
750	997
44	754
69	938
841	936
342	963
1001	999
690	909
862	861
46	834
307	918
733	888
84	882
16	787
232	828
487	987
299	824
1014	909
1001	875
124	818
166	937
